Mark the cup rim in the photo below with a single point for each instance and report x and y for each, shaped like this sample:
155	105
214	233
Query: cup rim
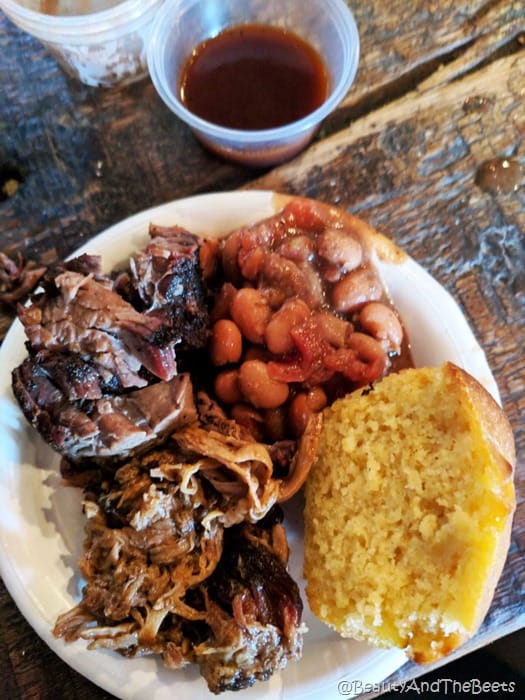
52	27
347	27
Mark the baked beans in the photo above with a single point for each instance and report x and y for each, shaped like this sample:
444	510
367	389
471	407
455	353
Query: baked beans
300	318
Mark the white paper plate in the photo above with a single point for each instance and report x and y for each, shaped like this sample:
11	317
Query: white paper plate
41	526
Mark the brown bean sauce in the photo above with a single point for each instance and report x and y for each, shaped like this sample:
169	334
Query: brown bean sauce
253	77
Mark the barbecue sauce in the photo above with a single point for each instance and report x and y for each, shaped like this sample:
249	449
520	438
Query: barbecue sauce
253	77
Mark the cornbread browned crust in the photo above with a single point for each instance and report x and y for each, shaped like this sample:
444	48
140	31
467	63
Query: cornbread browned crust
408	512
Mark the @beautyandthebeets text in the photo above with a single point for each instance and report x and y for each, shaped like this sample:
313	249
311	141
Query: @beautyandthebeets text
441	687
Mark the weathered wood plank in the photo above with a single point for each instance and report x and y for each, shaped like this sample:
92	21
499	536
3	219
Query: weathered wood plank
437	42
413	34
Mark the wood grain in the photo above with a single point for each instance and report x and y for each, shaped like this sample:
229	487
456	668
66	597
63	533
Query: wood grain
440	90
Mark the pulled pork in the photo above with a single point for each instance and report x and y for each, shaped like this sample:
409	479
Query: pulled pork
185	556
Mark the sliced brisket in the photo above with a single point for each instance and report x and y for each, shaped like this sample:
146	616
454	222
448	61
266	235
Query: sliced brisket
100	381
112	427
167	278
87	318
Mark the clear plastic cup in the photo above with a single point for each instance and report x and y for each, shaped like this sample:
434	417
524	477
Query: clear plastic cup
182	25
99	42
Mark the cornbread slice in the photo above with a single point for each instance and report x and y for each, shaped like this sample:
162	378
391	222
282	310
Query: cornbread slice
408	511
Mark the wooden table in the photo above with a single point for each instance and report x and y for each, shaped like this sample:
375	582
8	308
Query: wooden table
440	91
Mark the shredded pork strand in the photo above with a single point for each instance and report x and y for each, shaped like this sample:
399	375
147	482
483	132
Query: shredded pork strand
157	531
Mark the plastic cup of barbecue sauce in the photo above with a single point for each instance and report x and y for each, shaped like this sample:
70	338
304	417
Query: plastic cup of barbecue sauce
253	79
99	42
